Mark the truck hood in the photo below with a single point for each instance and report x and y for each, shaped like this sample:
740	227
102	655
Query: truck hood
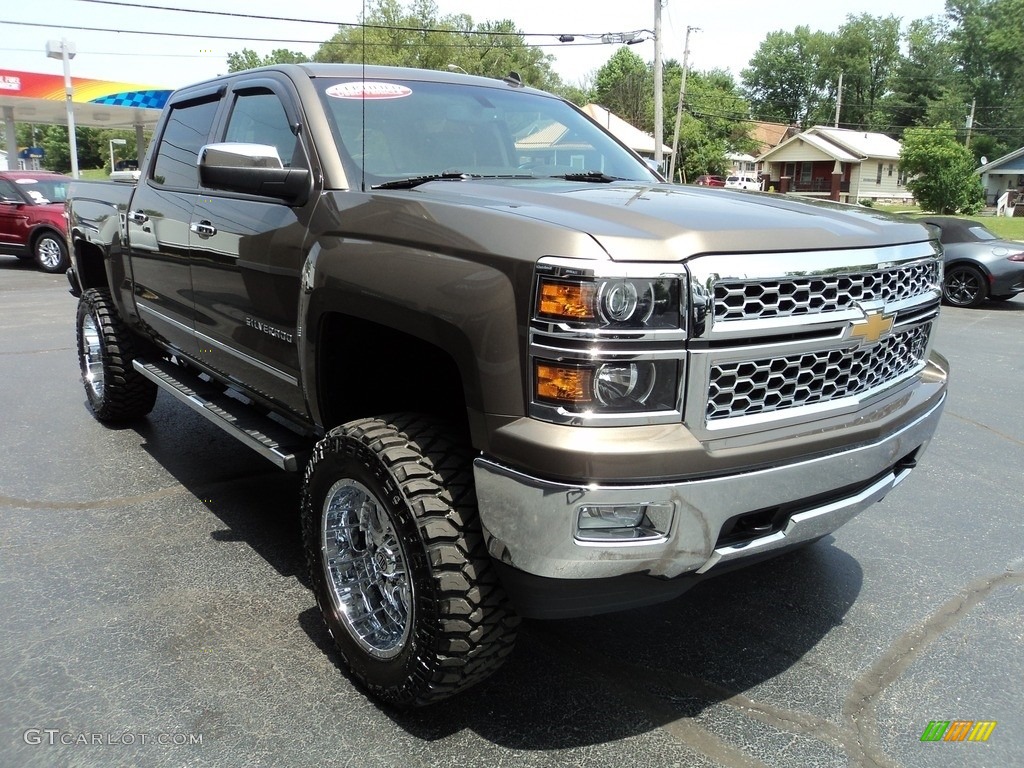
636	221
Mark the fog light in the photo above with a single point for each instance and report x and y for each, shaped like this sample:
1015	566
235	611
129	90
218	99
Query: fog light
591	518
623	522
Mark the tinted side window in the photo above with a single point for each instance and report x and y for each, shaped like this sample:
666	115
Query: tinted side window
188	129
8	192
259	118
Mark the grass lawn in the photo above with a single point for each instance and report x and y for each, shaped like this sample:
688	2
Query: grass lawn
93	174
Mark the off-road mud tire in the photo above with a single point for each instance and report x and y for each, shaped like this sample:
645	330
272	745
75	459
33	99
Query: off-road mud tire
106	349
459	626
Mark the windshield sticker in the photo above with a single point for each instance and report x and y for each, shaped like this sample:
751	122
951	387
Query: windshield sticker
368	90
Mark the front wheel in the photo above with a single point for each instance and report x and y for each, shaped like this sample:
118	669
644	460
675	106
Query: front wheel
51	252
106	349
398	562
964	286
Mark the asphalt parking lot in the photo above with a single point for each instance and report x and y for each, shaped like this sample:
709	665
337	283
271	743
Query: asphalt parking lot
155	612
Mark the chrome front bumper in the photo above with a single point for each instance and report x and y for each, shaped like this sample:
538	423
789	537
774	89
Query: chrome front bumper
530	523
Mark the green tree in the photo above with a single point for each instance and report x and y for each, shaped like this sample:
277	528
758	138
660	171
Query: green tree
624	85
418	36
866	50
716	121
922	75
941	170
788	75
249	59
987	38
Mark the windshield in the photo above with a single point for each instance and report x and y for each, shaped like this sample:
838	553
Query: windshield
413	129
42	191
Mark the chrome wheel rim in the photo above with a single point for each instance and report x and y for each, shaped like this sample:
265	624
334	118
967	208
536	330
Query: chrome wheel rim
962	287
49	252
92	356
365	565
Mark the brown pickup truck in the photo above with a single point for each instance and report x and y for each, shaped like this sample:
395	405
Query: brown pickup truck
522	375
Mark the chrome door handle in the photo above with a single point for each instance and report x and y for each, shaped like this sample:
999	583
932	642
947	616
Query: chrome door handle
203	228
137	217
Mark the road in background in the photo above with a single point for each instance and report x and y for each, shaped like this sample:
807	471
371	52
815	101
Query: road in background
155	611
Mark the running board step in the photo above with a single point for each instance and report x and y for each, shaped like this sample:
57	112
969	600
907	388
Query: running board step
247	423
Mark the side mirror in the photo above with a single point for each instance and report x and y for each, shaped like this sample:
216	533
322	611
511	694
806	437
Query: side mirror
252	169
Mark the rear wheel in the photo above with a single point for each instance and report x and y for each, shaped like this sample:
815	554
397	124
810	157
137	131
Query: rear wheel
964	286
398	562
106	349
51	253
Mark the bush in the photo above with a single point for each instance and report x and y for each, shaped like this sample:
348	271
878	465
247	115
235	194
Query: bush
941	170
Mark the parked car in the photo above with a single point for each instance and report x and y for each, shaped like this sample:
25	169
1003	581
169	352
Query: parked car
978	264
32	224
710	181
742	181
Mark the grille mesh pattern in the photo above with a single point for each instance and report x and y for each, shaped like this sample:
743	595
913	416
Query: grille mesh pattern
774	383
742	300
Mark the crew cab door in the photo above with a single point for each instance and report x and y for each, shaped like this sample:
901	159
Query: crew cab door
158	221
247	255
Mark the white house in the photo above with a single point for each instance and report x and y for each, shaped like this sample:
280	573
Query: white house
837	163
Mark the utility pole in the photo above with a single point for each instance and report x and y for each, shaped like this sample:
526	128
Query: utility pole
839	98
659	96
679	106
970	122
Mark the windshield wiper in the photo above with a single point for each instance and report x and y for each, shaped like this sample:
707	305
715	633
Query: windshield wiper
593	176
415	181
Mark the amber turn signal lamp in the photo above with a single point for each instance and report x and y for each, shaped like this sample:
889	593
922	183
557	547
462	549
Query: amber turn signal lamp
567	301
560	384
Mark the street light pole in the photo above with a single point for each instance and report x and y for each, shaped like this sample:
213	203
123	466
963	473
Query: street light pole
120	143
65	51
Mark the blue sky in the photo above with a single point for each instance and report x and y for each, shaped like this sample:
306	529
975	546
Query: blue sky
730	31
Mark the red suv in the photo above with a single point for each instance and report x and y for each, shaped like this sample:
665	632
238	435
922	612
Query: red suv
32	224
710	181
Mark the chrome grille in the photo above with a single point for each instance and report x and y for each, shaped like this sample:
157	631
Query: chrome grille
766	384
745	300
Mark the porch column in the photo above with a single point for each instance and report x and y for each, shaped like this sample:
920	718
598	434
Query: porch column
837	181
784	184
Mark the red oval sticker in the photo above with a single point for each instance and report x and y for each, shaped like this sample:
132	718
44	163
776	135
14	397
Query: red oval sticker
362	89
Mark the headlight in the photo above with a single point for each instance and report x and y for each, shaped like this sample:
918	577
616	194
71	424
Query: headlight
626	304
608	387
607	343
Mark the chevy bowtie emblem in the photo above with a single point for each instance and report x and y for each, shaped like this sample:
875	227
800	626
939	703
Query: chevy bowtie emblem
873	327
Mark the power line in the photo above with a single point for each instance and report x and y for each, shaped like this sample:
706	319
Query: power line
357	25
250	38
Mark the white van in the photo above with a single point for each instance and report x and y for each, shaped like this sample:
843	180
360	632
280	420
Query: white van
742	182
